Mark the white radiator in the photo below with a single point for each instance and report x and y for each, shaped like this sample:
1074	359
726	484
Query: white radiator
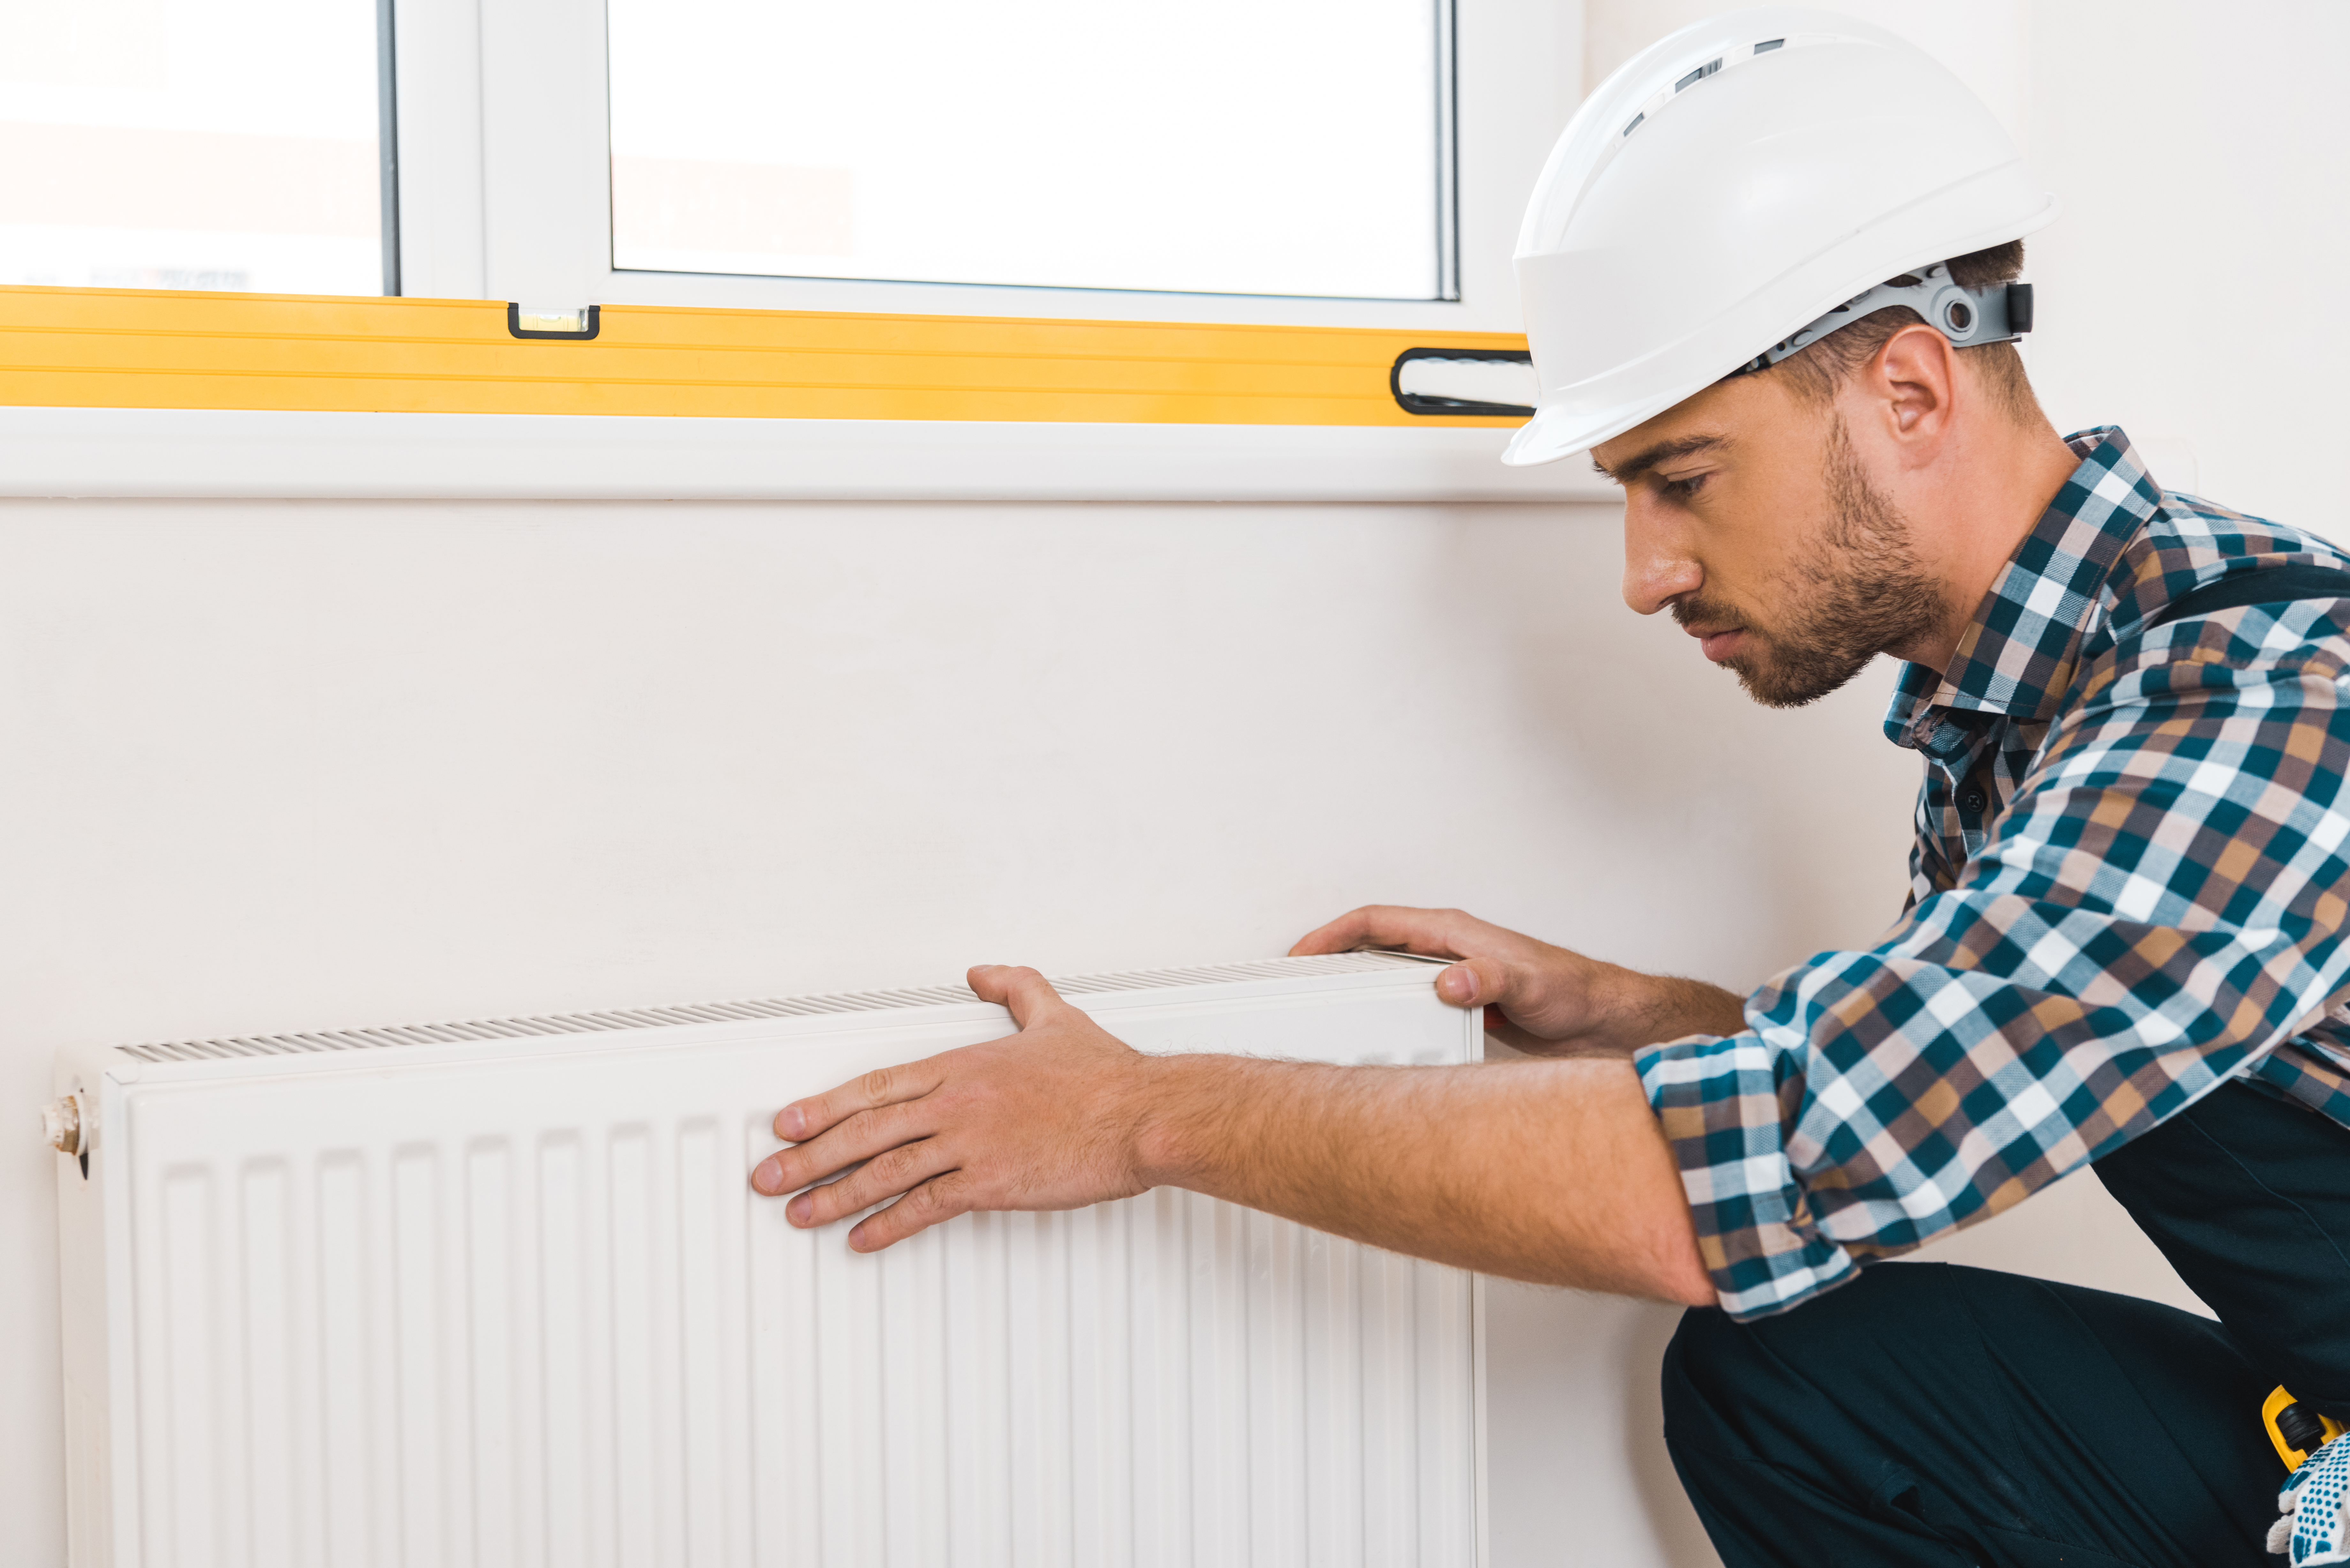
499	1293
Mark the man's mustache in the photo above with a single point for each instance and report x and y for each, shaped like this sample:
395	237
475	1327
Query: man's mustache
1688	613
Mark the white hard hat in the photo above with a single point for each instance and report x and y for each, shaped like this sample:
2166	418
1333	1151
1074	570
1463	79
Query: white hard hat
1733	185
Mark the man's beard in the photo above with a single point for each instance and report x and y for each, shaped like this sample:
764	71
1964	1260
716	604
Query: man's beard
1860	592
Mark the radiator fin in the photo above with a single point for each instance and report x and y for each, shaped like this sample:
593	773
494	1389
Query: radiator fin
604	1352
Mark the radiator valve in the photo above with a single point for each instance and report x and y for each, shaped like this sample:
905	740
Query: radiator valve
61	1124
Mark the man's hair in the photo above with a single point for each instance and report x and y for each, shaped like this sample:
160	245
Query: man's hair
1817	371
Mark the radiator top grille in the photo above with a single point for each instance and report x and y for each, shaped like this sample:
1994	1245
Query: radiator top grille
737	1011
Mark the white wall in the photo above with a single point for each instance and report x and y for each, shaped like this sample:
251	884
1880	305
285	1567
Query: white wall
2188	290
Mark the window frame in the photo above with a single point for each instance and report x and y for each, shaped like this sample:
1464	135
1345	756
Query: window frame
387	143
509	196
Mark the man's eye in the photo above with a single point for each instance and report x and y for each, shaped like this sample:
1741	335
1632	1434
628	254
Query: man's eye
1685	488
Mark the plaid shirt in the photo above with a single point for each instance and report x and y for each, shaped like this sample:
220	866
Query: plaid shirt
2127	887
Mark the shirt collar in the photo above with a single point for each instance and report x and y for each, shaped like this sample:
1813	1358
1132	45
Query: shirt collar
2018	655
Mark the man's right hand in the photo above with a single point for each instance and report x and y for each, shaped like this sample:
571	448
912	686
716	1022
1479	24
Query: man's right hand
1544	1000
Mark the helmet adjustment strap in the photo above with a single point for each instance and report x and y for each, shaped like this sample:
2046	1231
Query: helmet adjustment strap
1969	317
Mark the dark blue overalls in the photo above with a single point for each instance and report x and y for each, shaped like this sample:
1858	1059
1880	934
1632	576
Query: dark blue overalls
1932	1414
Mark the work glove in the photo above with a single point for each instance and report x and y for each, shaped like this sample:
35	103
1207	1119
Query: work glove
2314	1528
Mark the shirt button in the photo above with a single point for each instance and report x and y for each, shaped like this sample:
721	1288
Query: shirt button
1971	801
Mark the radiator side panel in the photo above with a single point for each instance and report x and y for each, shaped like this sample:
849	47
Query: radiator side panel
82	1320
96	1316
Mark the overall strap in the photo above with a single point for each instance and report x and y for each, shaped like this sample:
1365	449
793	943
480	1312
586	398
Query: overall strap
2270	585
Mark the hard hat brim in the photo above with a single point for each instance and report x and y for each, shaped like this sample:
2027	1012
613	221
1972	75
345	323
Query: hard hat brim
1557	432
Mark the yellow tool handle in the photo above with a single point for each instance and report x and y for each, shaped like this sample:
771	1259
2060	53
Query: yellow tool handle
2274	1407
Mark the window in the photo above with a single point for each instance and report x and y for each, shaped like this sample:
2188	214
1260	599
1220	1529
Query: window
1251	147
1268	161
1263	161
197	144
1063	214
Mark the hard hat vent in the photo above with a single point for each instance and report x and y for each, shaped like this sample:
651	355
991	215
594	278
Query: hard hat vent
1689	78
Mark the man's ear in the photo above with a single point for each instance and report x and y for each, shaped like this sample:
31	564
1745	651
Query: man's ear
1913	381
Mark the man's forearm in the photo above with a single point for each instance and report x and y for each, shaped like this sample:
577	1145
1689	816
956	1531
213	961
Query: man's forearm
1550	1171
1632	1009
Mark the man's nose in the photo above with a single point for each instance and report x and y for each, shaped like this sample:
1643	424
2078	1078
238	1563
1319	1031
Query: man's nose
1658	566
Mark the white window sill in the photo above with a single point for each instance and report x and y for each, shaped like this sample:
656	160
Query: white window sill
205	454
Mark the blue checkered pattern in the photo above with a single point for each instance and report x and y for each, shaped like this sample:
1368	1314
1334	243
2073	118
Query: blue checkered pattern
2127	887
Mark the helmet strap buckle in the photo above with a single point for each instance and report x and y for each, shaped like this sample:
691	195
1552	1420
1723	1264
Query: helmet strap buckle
1969	317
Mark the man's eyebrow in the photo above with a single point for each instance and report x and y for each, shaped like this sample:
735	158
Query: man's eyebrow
1633	467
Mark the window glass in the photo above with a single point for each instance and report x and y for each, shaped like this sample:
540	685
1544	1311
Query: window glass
212	144
1283	147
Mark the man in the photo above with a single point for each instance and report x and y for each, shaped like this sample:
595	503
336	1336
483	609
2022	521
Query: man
2126	924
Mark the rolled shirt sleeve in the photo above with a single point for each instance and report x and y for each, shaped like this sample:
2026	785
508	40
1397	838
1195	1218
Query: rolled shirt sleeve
2158	907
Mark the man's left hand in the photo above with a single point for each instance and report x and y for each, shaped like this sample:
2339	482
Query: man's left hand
2315	1529
1043	1119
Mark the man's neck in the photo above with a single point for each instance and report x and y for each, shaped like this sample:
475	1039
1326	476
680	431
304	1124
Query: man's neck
1970	515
